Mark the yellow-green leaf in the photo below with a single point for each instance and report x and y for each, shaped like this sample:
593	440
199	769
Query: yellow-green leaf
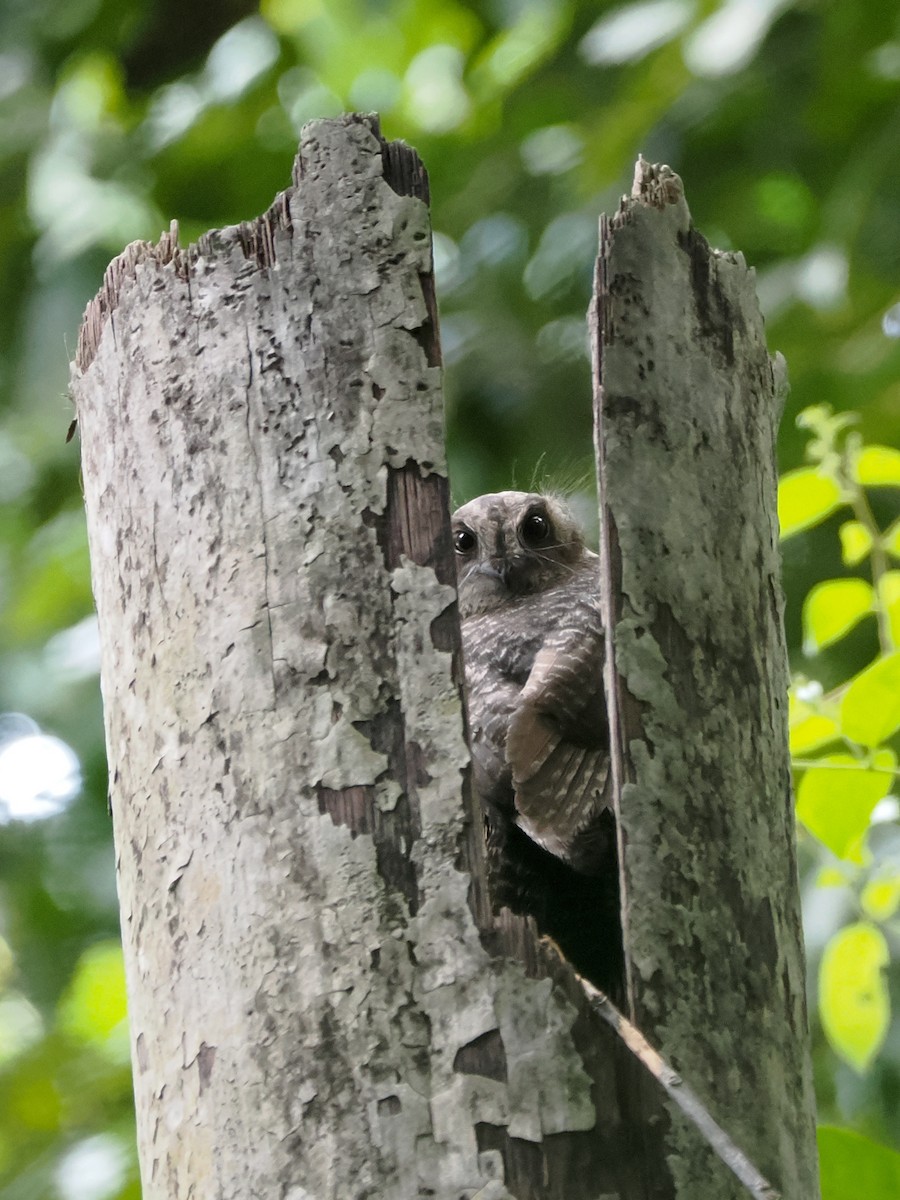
853	997
854	1168
856	542
878	466
891	539
7	964
881	898
831	877
93	1007
889	598
870	709
811	732
811	725
836	800
33	1098
831	609
805	497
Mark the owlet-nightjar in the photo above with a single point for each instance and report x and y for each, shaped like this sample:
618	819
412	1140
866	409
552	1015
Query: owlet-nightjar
533	645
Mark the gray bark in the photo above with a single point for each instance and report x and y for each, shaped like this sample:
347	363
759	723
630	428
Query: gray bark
320	1006
687	410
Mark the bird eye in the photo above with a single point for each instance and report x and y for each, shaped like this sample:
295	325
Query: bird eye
463	541
535	529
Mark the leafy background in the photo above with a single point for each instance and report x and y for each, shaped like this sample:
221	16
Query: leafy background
783	119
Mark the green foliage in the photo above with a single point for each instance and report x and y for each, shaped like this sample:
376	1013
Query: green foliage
805	497
93	1010
529	116
62	1081
870	709
845	752
837	796
854	1167
832	609
853	997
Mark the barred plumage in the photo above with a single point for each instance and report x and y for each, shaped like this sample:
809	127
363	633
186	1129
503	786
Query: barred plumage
533	644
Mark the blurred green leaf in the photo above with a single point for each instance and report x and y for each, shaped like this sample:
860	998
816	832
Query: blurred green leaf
828	430
836	800
881	897
20	1026
812	731
854	1168
784	200
870	709
831	877
110	126
853	996
810	725
512	54
94	1005
856	542
7	964
831	609
33	1101
877	466
54	583
889	599
805	498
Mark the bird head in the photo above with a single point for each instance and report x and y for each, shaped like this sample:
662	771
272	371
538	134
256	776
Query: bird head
511	544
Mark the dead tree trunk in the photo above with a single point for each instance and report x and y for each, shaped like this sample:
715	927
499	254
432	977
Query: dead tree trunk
322	1007
687	412
315	1014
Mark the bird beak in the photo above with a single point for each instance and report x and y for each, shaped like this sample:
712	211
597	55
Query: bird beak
491	571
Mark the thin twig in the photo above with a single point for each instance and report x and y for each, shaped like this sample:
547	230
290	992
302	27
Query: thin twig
684	1096
878	562
819	764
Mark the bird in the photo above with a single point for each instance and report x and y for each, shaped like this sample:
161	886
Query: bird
533	645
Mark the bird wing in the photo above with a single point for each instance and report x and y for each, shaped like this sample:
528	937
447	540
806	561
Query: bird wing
557	743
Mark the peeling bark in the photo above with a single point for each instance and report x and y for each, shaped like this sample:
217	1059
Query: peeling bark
687	412
320	1006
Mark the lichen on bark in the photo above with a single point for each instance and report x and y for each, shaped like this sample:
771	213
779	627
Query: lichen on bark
267	509
687	413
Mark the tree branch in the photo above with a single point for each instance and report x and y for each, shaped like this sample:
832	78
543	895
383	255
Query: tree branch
683	1095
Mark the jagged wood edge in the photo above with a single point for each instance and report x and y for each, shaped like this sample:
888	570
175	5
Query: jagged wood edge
655	185
403	170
